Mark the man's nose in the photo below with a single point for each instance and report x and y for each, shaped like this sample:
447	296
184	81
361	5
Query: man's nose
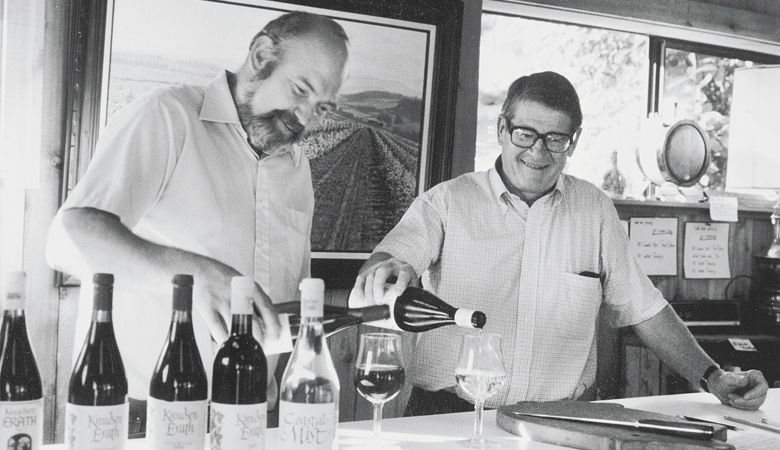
539	147
308	112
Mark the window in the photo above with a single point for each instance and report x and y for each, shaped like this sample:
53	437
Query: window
611	72
697	85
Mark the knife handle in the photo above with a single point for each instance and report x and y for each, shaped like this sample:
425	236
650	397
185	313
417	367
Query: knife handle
688	430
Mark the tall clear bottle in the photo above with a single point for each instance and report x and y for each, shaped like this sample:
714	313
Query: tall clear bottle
21	393
177	407
309	392
238	389
96	414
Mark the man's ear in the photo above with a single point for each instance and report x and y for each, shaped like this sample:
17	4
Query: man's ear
500	126
262	54
574	141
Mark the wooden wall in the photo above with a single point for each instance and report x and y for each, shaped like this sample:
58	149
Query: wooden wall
749	236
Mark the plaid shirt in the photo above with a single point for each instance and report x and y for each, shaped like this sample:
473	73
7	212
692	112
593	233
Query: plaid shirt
485	249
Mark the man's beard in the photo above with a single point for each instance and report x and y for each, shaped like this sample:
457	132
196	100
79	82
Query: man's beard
268	133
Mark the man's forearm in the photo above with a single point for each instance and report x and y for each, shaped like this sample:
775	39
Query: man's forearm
88	240
668	337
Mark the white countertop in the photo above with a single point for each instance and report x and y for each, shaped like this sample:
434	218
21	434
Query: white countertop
440	431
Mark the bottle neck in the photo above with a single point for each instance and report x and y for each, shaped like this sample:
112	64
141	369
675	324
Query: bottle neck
312	332
101	315
242	324
14	322
181	316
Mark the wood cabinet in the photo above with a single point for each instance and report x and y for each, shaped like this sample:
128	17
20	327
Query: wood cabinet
643	374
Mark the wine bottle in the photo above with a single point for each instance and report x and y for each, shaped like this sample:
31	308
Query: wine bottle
334	318
96	413
238	390
21	392
309	392
418	310
177	407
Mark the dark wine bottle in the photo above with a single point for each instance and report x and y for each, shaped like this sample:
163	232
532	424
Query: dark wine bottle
21	393
309	390
239	381
96	414
334	318
177	407
418	310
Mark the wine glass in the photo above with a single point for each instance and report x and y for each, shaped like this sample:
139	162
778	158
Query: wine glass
379	371
480	373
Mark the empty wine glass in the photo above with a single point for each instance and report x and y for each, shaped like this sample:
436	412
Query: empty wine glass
480	373
379	371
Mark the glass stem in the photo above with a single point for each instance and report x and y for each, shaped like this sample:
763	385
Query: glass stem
377	419
478	406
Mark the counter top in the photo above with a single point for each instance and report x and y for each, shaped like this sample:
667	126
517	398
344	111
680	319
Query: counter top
440	431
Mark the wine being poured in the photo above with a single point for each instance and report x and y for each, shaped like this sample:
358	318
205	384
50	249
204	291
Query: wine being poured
415	310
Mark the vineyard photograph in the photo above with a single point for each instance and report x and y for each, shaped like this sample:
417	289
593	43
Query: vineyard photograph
365	157
364	160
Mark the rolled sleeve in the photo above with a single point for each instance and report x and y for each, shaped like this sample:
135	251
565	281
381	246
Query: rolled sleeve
418	236
139	145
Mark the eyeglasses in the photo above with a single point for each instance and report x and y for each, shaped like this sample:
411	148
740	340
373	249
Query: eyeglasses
525	137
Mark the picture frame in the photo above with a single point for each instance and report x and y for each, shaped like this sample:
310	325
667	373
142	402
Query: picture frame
400	94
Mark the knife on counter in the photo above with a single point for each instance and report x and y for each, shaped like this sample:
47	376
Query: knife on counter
687	430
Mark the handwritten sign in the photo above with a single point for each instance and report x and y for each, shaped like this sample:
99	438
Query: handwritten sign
706	253
724	209
654	244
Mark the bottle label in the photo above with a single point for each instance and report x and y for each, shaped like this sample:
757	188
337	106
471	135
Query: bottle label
238	427
310	426
21	424
96	427
176	425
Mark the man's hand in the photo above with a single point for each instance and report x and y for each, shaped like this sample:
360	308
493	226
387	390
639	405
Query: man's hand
743	390
370	283
211	298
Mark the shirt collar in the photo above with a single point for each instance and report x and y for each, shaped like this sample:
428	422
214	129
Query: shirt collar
504	196
218	106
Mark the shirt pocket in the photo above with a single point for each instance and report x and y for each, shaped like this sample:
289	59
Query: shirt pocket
577	301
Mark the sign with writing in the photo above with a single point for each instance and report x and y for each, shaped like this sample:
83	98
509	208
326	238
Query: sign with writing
724	209
742	345
706	253
654	244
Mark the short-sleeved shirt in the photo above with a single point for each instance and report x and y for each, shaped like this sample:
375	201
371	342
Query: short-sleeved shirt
176	168
486	249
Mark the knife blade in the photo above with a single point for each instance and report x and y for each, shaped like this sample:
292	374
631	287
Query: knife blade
687	430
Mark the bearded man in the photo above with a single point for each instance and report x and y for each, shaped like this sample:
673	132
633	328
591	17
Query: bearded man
204	181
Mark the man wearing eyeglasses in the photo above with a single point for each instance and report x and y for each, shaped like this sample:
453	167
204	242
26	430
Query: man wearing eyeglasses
541	253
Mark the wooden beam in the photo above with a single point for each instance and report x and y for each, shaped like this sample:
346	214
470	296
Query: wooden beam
692	14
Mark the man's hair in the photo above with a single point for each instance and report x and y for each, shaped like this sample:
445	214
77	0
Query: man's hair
548	88
300	23
296	24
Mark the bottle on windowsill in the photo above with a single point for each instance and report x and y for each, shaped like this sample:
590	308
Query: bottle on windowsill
614	182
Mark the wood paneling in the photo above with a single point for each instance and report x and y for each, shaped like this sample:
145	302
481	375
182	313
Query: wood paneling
721	17
748	236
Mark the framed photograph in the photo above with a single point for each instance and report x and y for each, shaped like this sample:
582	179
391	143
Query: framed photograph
390	137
